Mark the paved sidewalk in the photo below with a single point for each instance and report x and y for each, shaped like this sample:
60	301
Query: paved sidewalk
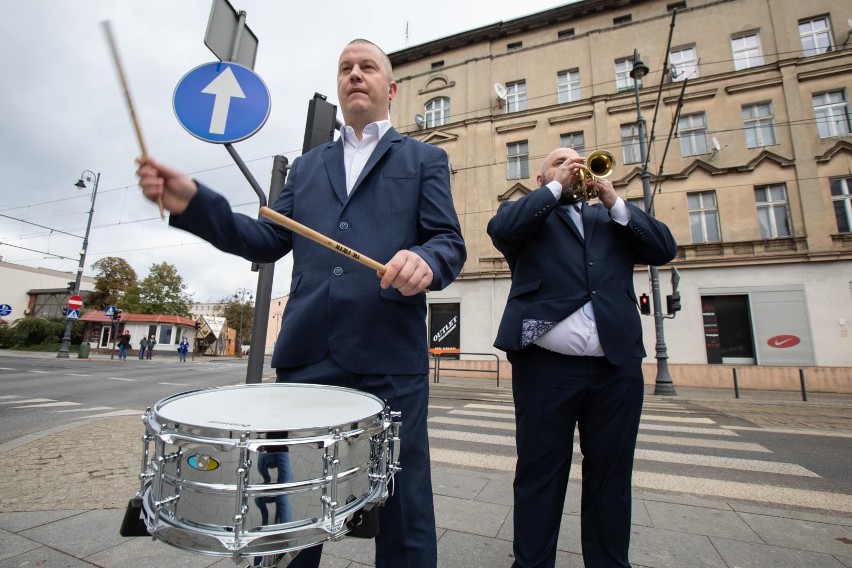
63	494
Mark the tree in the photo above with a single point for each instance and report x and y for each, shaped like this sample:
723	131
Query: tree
239	316
115	276
161	292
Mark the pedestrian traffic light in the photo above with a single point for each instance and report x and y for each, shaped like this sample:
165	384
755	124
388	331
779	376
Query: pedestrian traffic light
673	302
116	315
645	305
71	286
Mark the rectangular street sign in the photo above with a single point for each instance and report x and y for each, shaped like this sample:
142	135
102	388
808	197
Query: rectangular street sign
222	28
73	314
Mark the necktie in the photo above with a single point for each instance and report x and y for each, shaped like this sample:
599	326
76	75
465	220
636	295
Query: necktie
577	217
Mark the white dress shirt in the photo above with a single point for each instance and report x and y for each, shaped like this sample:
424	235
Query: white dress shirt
577	335
357	152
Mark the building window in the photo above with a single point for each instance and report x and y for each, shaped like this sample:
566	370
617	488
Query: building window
684	64
675	6
515	46
437	112
630	144
773	214
573	140
437	65
517	160
747	52
816	36
568	86
703	217
759	124
841	198
621	20
692	131
623	80
565	34
832	114
516	99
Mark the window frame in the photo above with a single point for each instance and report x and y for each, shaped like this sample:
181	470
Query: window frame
768	222
841	200
757	127
745	56
630	147
518	162
692	137
683	66
567	141
516	96
569	90
437	116
815	34
701	213
827	117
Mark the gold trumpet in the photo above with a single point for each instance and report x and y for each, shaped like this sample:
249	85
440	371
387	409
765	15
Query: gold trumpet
599	164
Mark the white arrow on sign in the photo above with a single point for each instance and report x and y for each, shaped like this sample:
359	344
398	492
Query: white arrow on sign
224	87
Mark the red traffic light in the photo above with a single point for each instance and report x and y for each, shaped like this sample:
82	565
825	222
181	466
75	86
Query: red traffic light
645	305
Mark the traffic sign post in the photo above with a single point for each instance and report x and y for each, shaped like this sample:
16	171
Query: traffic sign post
221	102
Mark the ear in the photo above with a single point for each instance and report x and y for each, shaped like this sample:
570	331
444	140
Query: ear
391	90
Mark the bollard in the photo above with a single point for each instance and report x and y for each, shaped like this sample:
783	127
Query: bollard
736	385
802	381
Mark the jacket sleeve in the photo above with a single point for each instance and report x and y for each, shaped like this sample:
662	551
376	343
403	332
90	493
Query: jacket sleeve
516	220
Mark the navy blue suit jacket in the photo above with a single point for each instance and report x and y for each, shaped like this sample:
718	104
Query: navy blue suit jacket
336	307
555	271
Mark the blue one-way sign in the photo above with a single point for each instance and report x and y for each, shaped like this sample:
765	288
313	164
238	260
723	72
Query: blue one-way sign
221	102
5	309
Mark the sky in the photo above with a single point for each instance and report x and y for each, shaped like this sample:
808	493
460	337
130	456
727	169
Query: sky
63	116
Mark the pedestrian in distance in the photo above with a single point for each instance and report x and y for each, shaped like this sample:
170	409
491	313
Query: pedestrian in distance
572	333
150	350
183	349
387	196
143	347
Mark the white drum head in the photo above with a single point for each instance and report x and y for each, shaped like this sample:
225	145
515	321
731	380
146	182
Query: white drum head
269	407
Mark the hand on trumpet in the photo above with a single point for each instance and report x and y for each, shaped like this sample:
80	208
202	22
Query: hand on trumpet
408	273
162	182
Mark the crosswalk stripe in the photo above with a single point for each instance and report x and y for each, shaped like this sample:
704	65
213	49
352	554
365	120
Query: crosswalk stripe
681	419
482	414
651	481
702	443
120	379
473	423
28	401
687	430
647	455
85	409
49	405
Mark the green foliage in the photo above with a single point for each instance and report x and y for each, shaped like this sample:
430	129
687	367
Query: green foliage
115	277
239	316
163	292
31	332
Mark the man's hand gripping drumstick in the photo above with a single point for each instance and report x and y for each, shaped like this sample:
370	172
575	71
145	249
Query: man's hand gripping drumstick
114	50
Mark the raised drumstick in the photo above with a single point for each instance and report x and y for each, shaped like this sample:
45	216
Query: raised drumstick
111	41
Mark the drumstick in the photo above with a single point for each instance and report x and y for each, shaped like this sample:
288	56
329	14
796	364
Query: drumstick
319	238
114	50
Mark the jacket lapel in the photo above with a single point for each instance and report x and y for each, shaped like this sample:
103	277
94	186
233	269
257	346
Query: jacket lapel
588	212
335	168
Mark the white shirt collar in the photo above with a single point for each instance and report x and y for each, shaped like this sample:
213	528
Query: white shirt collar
377	129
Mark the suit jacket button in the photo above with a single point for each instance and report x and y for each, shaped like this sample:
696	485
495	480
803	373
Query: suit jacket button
343	225
338	271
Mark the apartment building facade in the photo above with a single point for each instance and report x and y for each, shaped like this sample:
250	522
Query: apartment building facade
755	181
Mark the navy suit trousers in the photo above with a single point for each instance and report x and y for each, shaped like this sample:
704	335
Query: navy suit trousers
553	394
407	537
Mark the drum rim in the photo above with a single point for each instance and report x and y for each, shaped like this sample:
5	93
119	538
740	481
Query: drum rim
165	424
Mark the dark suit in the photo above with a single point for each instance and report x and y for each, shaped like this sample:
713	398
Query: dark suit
339	326
555	271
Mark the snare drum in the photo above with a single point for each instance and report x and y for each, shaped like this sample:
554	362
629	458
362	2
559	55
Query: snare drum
264	469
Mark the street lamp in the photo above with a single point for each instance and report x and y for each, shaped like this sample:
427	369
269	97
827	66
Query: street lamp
663	384
241	296
86	176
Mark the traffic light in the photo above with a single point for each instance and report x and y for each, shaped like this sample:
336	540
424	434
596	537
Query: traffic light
197	326
645	305
673	302
116	315
71	286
